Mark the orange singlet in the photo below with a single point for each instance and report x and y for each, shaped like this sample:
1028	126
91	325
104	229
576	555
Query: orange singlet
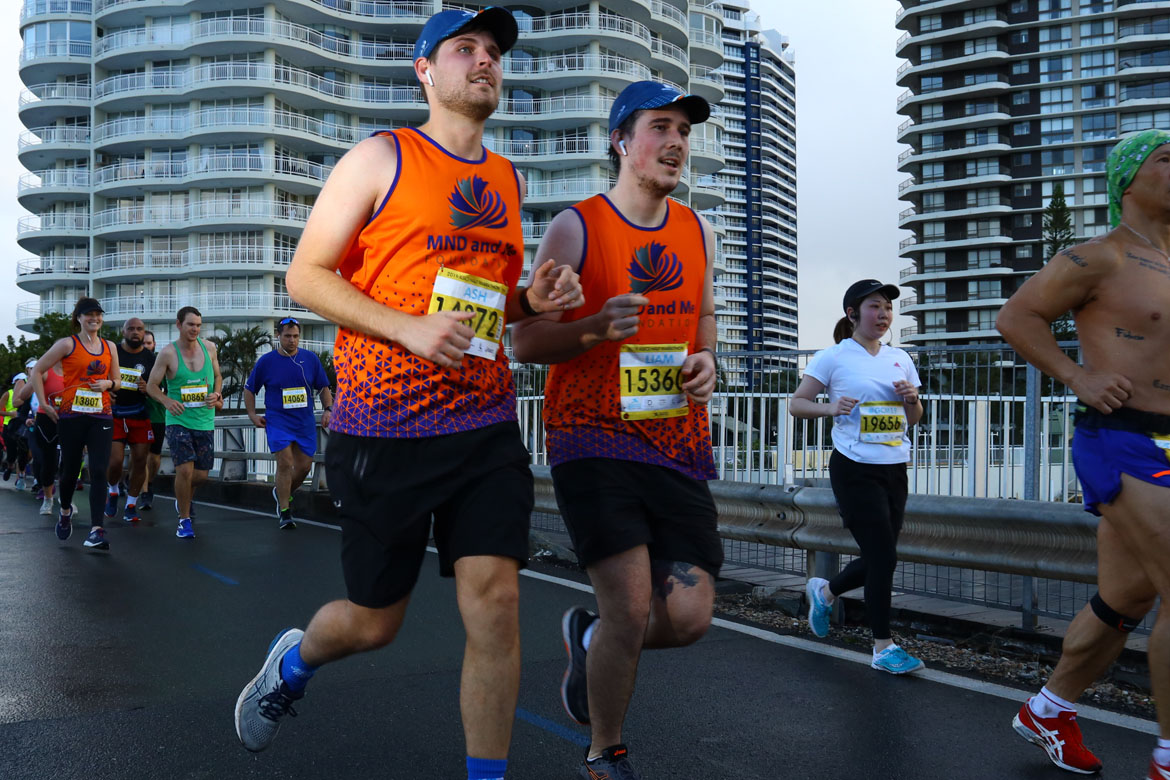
622	399
447	237
79	368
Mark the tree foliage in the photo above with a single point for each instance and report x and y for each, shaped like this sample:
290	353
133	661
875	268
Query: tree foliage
1059	235
238	352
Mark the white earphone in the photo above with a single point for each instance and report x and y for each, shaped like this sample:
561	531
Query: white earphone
430	79
622	146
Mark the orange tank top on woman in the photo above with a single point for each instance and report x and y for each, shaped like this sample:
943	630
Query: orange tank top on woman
621	399
446	237
79	368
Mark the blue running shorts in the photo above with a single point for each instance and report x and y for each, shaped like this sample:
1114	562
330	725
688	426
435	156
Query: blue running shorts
1102	455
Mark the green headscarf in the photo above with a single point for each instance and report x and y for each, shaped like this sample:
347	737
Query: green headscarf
1123	163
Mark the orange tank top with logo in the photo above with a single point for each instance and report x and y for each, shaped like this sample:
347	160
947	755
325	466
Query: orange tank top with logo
79	368
623	399
447	237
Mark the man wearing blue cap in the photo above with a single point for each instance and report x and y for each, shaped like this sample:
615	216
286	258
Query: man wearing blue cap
414	249
1118	288
626	417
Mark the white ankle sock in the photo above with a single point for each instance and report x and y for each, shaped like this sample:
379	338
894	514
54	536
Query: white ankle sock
1047	704
113	490
588	636
131	501
1162	752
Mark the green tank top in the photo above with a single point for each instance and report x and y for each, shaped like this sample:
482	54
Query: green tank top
190	388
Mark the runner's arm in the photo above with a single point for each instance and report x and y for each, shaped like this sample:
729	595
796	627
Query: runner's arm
115	375
55	354
164	366
213	353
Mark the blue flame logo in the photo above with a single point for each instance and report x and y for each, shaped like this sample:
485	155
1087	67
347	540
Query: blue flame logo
474	205
653	269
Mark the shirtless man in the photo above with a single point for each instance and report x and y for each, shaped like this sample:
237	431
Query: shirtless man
1118	288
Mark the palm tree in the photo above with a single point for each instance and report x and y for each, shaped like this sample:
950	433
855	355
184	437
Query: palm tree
238	350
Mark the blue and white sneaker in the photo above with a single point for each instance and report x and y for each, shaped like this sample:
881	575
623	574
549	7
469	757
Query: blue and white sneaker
266	698
111	505
20	484
192	508
64	527
185	531
818	611
895	660
97	539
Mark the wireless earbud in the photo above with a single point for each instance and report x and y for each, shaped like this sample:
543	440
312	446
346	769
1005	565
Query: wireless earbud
430	79
622	146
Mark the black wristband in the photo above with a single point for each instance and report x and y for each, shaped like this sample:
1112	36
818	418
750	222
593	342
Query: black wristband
326	408
714	357
525	305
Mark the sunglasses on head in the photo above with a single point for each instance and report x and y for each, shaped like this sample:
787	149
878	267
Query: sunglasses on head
289	321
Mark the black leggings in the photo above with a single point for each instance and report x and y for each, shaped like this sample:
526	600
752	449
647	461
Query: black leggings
42	441
95	434
872	499
16	445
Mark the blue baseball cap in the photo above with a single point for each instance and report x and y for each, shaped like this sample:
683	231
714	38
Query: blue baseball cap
447	24
651	94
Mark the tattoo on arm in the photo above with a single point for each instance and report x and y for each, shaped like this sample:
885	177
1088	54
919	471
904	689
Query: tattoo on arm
1125	333
1161	386
1071	255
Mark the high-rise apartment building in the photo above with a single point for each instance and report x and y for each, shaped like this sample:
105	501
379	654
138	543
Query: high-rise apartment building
758	281
174	150
1005	101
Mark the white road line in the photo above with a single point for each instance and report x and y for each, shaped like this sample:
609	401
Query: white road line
934	675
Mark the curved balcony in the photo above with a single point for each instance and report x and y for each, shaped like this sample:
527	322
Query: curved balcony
623	35
43	104
555	112
239	259
909	246
400	11
534	231
34	274
707	83
707	156
45	61
38	190
980	58
707	192
909	158
40	147
672	22
219	75
225	169
213	306
979	29
983	89
31	9
34	231
561	70
909	128
551	152
227	122
181	218
559	190
28	312
706	48
673	58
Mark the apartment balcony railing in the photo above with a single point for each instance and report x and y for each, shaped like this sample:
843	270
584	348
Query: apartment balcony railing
51	223
193	259
33	8
703	38
53	134
376	9
548	147
67	264
668	12
165	306
53	178
572	63
569	22
213	118
55	50
570	104
271	165
567	188
52	91
669	51
708	74
170	215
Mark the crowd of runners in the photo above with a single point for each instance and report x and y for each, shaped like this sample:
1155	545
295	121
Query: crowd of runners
414	249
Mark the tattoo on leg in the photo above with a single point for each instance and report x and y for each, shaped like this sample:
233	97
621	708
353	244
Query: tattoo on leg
666	574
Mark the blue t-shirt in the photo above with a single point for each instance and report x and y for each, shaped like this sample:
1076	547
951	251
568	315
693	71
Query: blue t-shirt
289	386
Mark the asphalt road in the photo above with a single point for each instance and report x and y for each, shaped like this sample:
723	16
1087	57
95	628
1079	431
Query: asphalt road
127	664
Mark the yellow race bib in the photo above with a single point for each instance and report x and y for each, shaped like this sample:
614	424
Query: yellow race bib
882	422
651	381
294	397
193	395
457	291
129	377
87	401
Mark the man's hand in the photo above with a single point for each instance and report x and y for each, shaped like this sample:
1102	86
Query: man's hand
1104	392
618	318
843	405
214	400
325	417
174	407
141	384
699	373
906	391
558	285
259	421
441	337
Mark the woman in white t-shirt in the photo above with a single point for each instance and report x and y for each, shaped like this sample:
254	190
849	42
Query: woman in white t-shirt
873	400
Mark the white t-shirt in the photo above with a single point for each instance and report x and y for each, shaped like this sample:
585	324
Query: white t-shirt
847	369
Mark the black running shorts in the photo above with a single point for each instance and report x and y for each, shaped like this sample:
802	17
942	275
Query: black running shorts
611	506
476	485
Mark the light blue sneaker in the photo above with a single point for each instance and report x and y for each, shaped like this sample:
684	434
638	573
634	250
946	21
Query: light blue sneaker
895	660
818	610
267	698
185	531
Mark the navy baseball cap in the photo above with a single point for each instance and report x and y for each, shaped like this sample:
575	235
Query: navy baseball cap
651	94
867	287
447	24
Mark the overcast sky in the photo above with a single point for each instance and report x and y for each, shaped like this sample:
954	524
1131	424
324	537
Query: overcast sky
847	176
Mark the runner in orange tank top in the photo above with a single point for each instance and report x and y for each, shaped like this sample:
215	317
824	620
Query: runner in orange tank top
414	249
626	413
89	364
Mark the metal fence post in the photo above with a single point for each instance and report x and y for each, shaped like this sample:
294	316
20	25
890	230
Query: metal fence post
233	470
1032	413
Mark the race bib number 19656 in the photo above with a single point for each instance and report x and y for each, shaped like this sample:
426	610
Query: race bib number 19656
882	422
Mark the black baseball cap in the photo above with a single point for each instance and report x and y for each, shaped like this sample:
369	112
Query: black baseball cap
447	24
86	305
865	288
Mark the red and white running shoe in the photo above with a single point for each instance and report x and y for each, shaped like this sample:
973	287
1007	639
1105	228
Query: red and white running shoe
1061	739
1158	771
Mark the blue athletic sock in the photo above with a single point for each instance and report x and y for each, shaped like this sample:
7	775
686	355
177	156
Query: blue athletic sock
294	671
486	768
